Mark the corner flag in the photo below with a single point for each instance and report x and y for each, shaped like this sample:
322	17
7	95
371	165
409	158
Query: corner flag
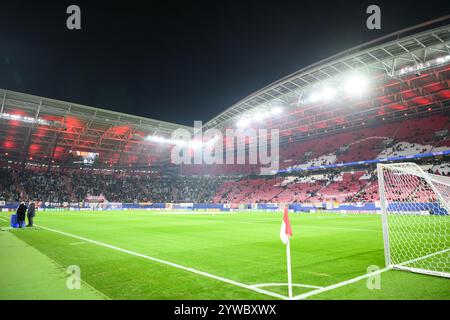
286	230
285	234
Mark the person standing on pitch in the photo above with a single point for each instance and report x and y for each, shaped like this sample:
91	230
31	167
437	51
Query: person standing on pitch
31	213
21	210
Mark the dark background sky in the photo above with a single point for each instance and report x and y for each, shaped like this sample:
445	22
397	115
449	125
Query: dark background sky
180	61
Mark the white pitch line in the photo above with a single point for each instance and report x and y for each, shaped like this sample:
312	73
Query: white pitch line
192	213
76	243
344	283
340	284
175	265
277	284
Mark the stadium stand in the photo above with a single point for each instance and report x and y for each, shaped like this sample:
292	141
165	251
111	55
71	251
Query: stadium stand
341	187
56	186
76	186
8	189
233	184
298	189
441	169
53	186
404	138
410	137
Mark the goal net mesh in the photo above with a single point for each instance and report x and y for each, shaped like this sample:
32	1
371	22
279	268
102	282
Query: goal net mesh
416	221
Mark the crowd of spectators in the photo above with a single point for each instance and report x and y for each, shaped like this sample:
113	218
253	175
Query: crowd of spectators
8	190
47	187
77	186
145	188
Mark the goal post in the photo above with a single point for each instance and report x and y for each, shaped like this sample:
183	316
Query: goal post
415	209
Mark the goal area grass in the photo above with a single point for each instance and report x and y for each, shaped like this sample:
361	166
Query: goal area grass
170	255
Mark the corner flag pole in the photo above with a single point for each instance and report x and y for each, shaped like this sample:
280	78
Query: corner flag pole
285	234
288	256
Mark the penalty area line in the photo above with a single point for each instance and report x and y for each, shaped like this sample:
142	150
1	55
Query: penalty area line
168	263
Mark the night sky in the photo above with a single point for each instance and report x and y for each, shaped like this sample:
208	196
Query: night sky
180	61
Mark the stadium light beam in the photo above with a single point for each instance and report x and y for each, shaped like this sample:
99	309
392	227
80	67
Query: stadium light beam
356	85
328	93
276	110
27	119
157	139
314	97
183	143
243	123
260	116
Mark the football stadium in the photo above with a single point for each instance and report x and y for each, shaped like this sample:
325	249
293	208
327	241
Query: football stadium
358	181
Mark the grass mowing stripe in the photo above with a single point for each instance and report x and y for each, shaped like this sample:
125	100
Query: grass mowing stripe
205	274
45	280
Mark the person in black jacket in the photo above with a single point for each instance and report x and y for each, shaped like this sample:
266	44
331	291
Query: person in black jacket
31	213
21	210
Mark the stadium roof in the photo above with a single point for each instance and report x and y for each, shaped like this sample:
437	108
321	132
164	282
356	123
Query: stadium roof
42	129
392	63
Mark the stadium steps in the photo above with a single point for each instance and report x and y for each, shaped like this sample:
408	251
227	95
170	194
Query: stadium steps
318	190
437	144
276	196
363	189
396	132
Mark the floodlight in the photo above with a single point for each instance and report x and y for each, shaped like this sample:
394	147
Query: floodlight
276	110
328	93
259	116
243	123
314	97
356	85
157	139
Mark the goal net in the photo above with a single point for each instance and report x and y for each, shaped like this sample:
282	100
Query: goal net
415	208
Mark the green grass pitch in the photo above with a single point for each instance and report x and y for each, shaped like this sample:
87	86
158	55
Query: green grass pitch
196	253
